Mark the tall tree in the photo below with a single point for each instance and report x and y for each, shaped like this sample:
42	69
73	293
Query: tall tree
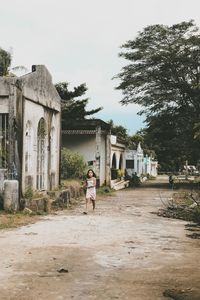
120	131
5	62
163	76
73	108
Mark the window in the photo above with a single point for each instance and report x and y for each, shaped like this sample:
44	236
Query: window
129	164
90	163
3	140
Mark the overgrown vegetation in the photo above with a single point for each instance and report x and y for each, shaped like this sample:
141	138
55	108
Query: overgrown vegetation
5	62
182	205
134	180
72	164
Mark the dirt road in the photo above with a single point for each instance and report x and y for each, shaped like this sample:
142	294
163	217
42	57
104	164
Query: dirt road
122	251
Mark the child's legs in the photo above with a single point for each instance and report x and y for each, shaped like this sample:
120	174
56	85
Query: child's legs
86	203
93	204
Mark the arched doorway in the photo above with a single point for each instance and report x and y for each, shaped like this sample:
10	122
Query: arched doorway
41	154
114	161
120	162
114	166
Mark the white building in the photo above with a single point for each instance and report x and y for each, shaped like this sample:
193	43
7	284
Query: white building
117	156
30	130
137	163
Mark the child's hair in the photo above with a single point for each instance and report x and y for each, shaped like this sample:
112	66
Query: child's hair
87	175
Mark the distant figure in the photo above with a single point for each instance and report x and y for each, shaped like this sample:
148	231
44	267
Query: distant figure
90	185
171	181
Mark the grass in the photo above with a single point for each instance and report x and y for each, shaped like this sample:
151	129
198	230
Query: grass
13	220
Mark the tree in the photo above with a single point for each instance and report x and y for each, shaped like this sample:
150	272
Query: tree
131	141
73	108
163	76
5	62
119	131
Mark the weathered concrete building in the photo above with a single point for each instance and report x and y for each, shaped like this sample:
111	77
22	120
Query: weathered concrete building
30	112
101	151
91	139
117	154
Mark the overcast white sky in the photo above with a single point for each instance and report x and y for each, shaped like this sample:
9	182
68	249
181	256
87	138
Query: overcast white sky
79	40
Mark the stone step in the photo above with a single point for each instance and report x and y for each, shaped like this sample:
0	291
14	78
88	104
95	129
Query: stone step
121	185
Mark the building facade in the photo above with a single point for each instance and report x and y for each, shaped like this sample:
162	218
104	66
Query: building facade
140	164
30	114
91	139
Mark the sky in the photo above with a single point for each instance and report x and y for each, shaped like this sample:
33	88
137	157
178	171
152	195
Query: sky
79	41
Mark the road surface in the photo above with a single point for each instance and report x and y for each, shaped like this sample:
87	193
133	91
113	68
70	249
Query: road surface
122	251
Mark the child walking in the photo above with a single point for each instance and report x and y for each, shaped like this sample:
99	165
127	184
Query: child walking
90	185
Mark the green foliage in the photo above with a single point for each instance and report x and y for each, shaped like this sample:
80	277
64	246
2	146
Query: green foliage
65	94
131	141
5	62
120	173
73	108
116	173
196	215
197	131
28	193
163	76
134	180
104	190
72	165
119	131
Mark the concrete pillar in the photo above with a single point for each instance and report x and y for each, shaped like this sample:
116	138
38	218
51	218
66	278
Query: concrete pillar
98	154
11	195
108	159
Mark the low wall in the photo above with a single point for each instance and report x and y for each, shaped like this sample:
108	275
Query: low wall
60	199
37	204
50	200
53	200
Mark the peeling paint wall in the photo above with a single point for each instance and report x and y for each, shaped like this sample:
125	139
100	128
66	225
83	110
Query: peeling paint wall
27	100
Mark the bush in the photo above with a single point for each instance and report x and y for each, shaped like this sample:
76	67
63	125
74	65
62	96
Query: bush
28	193
72	164
134	180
